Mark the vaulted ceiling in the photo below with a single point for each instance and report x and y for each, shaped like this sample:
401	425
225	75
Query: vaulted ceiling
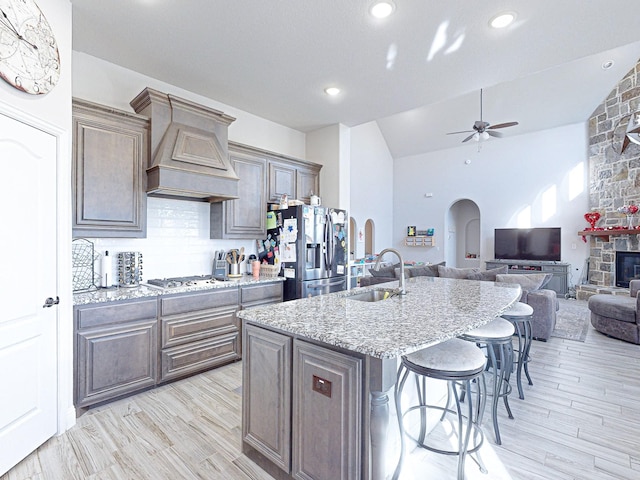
417	73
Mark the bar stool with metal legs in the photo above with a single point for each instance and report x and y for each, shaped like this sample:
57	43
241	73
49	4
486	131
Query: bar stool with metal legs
495	338
459	363
520	315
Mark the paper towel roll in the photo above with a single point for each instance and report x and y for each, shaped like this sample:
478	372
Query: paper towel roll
105	270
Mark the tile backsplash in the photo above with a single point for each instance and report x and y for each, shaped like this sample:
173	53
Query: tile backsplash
177	242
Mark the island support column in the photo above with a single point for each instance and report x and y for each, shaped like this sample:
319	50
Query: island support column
381	375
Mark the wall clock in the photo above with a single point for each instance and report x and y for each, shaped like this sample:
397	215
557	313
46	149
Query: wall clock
29	57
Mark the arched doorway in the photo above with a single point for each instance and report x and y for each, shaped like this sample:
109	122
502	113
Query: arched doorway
353	245
369	237
463	235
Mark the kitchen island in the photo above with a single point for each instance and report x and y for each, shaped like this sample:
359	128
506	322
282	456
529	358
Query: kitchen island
317	371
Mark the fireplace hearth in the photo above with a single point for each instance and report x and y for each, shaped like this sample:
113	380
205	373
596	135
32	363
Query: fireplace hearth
627	268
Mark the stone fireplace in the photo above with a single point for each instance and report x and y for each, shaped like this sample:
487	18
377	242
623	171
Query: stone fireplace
614	178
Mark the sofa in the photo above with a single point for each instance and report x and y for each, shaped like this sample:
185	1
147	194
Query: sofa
392	272
617	315
543	301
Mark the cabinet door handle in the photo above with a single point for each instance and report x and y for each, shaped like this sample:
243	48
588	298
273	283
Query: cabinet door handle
50	302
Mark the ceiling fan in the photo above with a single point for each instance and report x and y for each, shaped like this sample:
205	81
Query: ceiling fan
483	130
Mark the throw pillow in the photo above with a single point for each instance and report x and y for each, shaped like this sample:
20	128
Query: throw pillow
528	281
489	275
453	272
389	271
425	270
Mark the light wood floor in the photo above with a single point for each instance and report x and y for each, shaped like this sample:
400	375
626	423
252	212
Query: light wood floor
580	421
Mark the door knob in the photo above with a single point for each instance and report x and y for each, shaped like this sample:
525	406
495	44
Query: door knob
50	302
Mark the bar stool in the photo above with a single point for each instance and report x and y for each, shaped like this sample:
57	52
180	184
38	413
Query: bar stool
520	314
495	338
459	363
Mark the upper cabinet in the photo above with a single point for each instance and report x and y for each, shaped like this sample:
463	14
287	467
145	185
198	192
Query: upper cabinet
282	180
307	183
110	155
264	177
297	178
245	216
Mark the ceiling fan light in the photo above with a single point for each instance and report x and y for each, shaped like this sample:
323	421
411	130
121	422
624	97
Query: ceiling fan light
476	137
485	135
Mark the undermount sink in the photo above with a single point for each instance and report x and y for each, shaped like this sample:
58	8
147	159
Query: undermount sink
374	295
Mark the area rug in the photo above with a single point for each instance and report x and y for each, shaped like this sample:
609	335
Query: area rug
572	320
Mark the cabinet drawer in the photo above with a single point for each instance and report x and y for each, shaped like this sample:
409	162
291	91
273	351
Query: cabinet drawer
114	313
196	357
262	293
183	328
554	268
199	301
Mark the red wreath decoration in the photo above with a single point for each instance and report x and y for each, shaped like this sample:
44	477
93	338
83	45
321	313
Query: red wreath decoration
593	217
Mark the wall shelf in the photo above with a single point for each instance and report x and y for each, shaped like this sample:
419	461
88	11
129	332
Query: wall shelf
606	233
419	241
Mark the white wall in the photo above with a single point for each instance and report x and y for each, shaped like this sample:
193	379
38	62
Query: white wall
371	184
507	178
109	84
177	240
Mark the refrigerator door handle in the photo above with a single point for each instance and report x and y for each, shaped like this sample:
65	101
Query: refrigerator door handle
330	242
327	250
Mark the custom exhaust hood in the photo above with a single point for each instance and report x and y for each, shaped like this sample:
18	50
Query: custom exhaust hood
189	149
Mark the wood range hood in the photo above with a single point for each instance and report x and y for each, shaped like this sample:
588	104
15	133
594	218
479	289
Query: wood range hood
189	149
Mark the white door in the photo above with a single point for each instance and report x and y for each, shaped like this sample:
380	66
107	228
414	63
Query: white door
28	366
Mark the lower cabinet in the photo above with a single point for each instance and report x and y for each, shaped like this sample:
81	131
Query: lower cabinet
302	406
261	294
266	394
199	331
127	346
116	350
326	413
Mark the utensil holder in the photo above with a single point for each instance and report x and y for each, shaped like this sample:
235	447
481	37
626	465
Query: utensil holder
234	269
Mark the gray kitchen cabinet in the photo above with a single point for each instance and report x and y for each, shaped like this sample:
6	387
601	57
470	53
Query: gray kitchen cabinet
198	331
301	407
116	349
326	413
261	294
243	217
297	178
307	183
282	180
110	155
266	394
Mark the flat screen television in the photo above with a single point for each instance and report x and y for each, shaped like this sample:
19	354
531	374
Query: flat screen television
527	244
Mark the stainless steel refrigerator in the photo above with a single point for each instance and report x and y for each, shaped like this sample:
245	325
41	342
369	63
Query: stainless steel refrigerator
312	246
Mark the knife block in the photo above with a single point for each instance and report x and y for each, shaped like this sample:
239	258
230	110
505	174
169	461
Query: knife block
219	269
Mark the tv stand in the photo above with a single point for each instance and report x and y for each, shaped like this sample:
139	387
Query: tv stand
559	281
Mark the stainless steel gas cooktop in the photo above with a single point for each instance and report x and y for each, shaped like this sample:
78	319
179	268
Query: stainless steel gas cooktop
192	281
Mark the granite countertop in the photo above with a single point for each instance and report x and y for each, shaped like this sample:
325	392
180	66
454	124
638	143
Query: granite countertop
433	310
114	294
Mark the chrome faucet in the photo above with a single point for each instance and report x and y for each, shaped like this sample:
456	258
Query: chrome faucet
377	266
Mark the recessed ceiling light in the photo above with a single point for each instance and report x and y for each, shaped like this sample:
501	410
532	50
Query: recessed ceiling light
332	91
382	9
503	20
607	65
